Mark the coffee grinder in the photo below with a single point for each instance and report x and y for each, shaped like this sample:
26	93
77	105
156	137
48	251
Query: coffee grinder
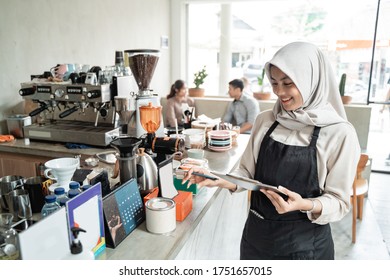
158	147
142	63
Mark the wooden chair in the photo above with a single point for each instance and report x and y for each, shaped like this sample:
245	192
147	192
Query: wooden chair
359	190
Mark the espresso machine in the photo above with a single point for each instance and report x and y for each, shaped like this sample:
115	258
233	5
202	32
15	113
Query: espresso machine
71	112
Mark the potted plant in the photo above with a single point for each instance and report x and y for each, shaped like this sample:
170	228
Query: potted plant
199	77
260	93
345	98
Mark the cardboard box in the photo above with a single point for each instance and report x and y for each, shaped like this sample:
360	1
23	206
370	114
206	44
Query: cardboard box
193	188
183	205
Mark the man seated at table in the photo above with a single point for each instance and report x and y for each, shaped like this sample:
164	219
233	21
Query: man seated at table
244	108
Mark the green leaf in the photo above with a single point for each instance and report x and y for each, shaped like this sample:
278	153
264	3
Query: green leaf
199	77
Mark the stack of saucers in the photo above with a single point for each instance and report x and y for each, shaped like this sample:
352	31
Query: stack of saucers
219	140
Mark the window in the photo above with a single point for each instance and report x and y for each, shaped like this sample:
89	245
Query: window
256	29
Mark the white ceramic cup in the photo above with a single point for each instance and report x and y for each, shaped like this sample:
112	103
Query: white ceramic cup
61	170
194	138
195	153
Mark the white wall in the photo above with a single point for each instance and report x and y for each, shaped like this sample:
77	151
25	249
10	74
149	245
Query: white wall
36	35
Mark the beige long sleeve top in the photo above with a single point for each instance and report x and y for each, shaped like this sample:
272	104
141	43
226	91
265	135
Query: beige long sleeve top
174	110
338	152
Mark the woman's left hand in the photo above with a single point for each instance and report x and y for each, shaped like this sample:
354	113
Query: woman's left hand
293	203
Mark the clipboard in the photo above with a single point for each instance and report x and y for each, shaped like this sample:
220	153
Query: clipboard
249	184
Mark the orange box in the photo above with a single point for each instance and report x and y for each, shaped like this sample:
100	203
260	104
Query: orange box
150	195
183	203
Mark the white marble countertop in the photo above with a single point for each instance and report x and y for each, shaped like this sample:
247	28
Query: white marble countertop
141	244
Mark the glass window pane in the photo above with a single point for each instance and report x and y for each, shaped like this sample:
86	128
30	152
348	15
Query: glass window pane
380	82
344	29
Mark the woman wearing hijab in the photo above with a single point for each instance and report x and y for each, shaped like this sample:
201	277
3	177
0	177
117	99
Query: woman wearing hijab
306	146
177	99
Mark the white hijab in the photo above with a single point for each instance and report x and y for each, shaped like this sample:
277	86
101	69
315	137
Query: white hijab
309	69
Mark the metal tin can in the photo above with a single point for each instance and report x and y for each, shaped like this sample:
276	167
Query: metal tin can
160	215
16	123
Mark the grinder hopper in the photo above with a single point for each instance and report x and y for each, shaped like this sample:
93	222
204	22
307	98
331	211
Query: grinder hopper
142	63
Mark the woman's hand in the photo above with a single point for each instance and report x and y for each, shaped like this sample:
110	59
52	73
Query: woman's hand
203	182
293	203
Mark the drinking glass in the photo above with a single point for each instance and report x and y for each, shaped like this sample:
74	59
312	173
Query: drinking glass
10	249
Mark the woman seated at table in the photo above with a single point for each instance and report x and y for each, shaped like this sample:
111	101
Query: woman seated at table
177	103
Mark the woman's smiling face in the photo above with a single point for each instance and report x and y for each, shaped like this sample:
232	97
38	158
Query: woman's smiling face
285	89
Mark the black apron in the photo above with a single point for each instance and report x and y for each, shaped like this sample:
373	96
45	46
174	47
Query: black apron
269	235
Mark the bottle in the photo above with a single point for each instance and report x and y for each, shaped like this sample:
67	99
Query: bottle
61	196
119	64
9	249
74	186
85	187
76	248
50	205
73	193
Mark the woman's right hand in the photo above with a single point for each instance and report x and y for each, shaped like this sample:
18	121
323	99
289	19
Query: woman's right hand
203	182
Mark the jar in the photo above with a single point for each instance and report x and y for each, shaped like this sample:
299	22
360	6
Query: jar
8	237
